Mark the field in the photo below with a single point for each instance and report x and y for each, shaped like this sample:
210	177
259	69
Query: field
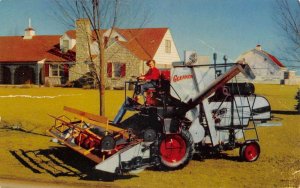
27	155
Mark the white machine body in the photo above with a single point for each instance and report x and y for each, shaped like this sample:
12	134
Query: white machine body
188	82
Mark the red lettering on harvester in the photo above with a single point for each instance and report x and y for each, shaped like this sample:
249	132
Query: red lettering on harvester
182	77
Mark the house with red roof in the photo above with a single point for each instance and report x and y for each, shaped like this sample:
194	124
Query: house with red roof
34	59
266	67
57	59
126	52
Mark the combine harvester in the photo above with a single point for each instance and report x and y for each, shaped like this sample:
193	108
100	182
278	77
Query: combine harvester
190	112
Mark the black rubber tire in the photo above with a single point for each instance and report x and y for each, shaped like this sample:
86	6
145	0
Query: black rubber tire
186	136
250	151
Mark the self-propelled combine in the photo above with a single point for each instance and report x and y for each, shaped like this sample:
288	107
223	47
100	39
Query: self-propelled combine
191	111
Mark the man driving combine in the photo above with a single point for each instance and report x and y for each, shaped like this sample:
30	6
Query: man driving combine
151	76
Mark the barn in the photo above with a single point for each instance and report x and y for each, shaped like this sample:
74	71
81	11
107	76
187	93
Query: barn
266	67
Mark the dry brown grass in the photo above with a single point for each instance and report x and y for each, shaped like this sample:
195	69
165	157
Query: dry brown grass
27	155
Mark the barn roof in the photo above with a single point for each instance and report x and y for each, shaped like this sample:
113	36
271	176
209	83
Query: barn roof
16	49
274	59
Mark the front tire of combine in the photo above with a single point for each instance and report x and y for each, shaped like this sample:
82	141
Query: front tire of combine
250	152
176	150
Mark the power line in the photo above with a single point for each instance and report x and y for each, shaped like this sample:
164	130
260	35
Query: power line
213	48
294	60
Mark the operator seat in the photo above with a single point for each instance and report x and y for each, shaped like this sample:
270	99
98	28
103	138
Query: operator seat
162	87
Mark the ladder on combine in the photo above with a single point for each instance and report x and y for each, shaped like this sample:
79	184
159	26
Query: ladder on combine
246	123
251	125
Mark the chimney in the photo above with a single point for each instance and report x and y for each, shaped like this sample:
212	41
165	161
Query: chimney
83	43
83	39
258	47
83	25
29	32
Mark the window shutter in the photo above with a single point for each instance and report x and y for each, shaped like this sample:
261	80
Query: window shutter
123	70
46	69
109	70
66	70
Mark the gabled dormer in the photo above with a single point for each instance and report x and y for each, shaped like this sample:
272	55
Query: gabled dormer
112	35
67	41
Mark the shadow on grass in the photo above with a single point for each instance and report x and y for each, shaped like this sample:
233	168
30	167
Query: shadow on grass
217	156
63	162
19	129
284	112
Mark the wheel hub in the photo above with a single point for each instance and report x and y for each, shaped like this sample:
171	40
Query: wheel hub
173	148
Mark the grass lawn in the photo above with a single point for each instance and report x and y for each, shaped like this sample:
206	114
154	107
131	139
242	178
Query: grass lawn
28	155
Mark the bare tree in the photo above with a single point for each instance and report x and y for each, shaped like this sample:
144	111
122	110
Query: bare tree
102	14
288	19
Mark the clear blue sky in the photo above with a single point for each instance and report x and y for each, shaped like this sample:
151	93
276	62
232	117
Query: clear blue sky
228	27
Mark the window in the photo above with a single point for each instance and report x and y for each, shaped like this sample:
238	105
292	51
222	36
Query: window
56	70
168	46
116	70
286	75
65	44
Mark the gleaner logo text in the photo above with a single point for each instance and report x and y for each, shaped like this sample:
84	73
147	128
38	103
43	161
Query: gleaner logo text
182	77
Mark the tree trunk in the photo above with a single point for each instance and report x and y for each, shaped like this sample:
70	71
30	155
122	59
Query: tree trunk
102	81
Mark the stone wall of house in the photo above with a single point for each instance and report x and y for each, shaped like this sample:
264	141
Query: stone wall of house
134	66
115	53
83	41
52	81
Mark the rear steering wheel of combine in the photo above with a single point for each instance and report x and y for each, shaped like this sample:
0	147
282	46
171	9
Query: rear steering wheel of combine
176	150
250	151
